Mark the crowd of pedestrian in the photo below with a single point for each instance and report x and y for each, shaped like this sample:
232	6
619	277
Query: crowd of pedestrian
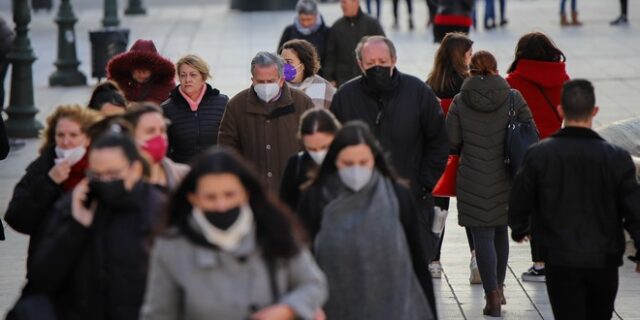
310	194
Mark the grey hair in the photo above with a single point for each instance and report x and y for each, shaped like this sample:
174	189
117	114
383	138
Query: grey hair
373	39
267	59
307	7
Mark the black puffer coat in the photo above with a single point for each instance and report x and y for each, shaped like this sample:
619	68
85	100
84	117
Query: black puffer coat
477	123
33	197
192	132
98	272
318	38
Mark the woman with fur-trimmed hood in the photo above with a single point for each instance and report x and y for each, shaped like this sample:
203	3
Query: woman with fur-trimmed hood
142	73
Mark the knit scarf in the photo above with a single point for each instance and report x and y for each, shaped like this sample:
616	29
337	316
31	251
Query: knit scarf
193	104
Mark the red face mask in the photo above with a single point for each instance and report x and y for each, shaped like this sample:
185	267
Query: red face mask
156	147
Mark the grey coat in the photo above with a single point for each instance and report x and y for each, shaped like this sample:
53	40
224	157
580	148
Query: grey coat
193	282
476	124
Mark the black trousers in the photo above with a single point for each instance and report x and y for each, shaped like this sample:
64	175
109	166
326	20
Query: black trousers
623	6
579	293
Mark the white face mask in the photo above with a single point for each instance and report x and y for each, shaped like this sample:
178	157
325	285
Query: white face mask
355	177
266	91
318	156
231	238
72	156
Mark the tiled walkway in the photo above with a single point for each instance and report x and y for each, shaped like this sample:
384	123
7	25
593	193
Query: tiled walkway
228	40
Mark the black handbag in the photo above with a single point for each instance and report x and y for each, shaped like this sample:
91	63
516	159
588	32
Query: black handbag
519	137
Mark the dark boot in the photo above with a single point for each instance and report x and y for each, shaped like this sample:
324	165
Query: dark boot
622	20
493	306
503	300
574	19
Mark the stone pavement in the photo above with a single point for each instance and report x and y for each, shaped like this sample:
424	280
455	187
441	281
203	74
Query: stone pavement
228	40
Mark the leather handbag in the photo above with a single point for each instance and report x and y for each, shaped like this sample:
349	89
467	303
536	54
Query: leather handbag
519	137
446	185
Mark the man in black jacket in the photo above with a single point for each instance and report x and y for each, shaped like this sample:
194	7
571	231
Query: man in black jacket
340	63
574	193
405	115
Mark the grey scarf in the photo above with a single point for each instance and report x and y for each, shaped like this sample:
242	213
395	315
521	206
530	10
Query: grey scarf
363	251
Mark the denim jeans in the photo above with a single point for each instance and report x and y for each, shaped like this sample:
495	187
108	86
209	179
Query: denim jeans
563	3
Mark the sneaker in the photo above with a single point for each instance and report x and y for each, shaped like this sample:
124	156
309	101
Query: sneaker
534	275
474	278
622	20
435	268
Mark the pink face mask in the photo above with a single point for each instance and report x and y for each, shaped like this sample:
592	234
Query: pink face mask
156	147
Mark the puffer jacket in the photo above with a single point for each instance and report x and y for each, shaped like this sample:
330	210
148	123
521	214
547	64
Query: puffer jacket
476	124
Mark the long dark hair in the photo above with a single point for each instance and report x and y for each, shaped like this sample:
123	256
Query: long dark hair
318	120
449	61
278	233
536	46
353	133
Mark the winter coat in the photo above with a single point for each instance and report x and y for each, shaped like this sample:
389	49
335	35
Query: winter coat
535	80
314	200
196	281
98	272
191	132
33	198
407	121
264	133
477	125
574	194
6	40
318	89
298	172
340	64
454	7
174	172
318	38
452	16
143	55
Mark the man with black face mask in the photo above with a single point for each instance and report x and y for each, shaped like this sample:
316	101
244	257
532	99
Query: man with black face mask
95	250
405	115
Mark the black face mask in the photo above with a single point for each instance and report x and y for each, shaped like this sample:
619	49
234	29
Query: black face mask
222	219
109	194
379	78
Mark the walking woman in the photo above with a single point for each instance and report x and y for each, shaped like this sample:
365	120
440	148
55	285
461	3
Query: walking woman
477	123
194	109
450	69
57	170
230	251
150	132
301	72
317	129
538	72
366	238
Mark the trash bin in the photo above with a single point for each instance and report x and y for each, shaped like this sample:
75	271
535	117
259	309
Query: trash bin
263	5
105	44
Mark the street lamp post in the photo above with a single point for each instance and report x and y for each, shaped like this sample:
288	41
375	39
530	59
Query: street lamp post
110	14
135	8
67	63
22	121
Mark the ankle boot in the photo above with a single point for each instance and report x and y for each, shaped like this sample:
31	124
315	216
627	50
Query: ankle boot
563	20
503	300
574	19
493	307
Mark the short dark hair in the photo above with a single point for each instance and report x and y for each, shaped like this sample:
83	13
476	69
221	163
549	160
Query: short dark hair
107	92
307	54
318	120
115	138
578	99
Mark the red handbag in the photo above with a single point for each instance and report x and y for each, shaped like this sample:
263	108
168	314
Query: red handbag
446	185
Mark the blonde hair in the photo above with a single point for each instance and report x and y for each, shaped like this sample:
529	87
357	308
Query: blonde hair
83	116
195	62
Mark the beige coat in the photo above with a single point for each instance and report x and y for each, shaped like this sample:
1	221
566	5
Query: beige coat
264	133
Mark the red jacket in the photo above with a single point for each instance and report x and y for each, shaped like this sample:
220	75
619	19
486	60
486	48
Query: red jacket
549	76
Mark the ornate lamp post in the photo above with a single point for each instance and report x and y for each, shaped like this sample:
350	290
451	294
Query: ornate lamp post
135	8
110	14
22	122
67	63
